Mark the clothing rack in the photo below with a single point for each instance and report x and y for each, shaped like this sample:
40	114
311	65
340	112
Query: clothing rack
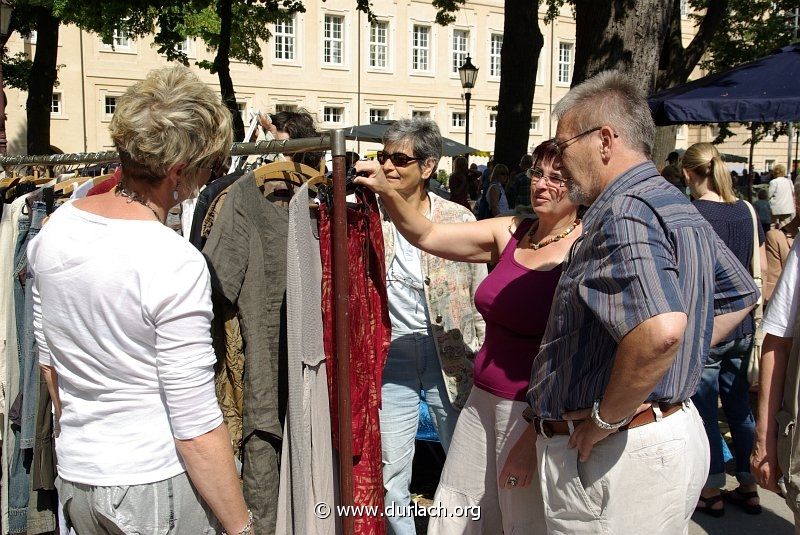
334	141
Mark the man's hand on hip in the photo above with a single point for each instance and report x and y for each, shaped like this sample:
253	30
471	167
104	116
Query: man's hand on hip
586	433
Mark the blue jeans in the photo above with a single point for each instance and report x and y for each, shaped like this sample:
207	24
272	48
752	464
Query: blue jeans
29	357
725	377
412	366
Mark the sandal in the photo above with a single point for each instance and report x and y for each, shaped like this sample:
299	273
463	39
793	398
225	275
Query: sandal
740	499
707	503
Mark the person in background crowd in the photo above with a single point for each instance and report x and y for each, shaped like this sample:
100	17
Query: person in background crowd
763	210
672	172
436	329
775	453
296	125
778	245
515	302
486	176
519	189
496	191
459	182
781	197
725	373
125	347
620	446
474	181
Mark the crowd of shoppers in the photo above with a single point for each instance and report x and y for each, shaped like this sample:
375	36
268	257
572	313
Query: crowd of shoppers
579	377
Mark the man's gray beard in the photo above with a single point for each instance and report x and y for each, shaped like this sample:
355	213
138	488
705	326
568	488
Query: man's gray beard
576	194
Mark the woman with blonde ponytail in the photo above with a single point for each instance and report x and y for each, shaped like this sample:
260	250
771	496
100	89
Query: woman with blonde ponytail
725	373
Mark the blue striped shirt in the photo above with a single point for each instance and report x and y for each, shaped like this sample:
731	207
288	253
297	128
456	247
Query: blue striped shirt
645	251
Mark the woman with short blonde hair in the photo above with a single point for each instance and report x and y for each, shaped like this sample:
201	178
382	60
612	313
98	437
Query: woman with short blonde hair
122	317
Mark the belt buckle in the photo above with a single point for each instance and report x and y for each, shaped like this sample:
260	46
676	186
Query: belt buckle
538	425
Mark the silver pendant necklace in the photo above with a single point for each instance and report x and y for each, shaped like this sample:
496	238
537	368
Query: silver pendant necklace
132	196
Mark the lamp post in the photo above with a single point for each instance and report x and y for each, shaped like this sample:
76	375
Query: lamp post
6	7
468	73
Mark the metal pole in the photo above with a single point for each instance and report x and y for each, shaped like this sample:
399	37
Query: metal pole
467	96
341	289
790	129
3	141
287	146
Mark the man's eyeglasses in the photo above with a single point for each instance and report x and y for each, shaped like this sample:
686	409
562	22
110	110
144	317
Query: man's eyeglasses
561	146
536	173
398	158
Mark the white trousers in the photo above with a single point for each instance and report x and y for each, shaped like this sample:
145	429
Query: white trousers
487	429
645	480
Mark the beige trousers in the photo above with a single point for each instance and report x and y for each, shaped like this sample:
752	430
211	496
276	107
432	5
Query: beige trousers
487	429
645	480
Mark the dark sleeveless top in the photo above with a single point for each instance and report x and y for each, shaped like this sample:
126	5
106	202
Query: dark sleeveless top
515	303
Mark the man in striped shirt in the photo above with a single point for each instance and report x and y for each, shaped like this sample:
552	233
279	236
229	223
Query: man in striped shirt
645	292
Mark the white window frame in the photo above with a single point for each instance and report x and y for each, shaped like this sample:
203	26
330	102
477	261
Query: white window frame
121	40
242	107
284	106
680	133
104	96
492	121
57	98
537	128
570	64
684	7
385	110
769	163
374	47
458	117
31	37
428	49
340	40
127	48
494	56
458	57
289	40
426	114
326	121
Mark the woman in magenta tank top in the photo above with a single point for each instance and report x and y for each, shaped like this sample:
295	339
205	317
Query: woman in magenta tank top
515	300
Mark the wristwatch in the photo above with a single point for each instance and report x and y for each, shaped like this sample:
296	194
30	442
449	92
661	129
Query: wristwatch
602	424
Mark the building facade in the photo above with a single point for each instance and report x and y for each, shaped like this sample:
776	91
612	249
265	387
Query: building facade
334	63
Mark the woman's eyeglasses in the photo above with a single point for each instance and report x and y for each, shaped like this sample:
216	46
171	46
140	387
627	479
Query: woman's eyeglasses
536	173
398	158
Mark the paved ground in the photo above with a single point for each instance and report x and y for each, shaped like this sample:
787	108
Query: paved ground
776	518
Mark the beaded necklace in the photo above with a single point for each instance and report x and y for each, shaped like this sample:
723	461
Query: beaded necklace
553	239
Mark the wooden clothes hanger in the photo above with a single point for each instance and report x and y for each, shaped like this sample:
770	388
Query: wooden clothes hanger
296	173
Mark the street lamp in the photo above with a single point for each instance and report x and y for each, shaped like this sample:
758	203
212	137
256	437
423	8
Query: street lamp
468	73
6	7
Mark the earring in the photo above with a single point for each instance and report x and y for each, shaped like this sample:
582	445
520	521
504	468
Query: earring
175	194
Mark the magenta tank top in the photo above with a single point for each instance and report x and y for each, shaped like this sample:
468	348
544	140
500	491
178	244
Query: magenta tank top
515	303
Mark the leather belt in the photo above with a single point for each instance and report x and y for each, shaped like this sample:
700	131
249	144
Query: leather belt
549	428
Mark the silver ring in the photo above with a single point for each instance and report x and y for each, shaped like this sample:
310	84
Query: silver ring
512	481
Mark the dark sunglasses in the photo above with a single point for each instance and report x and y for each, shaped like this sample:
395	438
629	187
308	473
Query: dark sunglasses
398	158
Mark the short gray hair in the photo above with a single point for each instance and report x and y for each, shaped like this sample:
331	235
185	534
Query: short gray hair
611	98
168	118
424	135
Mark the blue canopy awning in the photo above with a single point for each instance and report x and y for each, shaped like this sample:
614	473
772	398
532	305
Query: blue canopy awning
765	90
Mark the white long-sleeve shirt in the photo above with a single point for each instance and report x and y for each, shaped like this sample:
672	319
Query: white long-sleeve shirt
122	311
781	196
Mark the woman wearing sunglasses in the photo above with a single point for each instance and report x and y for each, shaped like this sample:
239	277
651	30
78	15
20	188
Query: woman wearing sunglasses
515	301
436	330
